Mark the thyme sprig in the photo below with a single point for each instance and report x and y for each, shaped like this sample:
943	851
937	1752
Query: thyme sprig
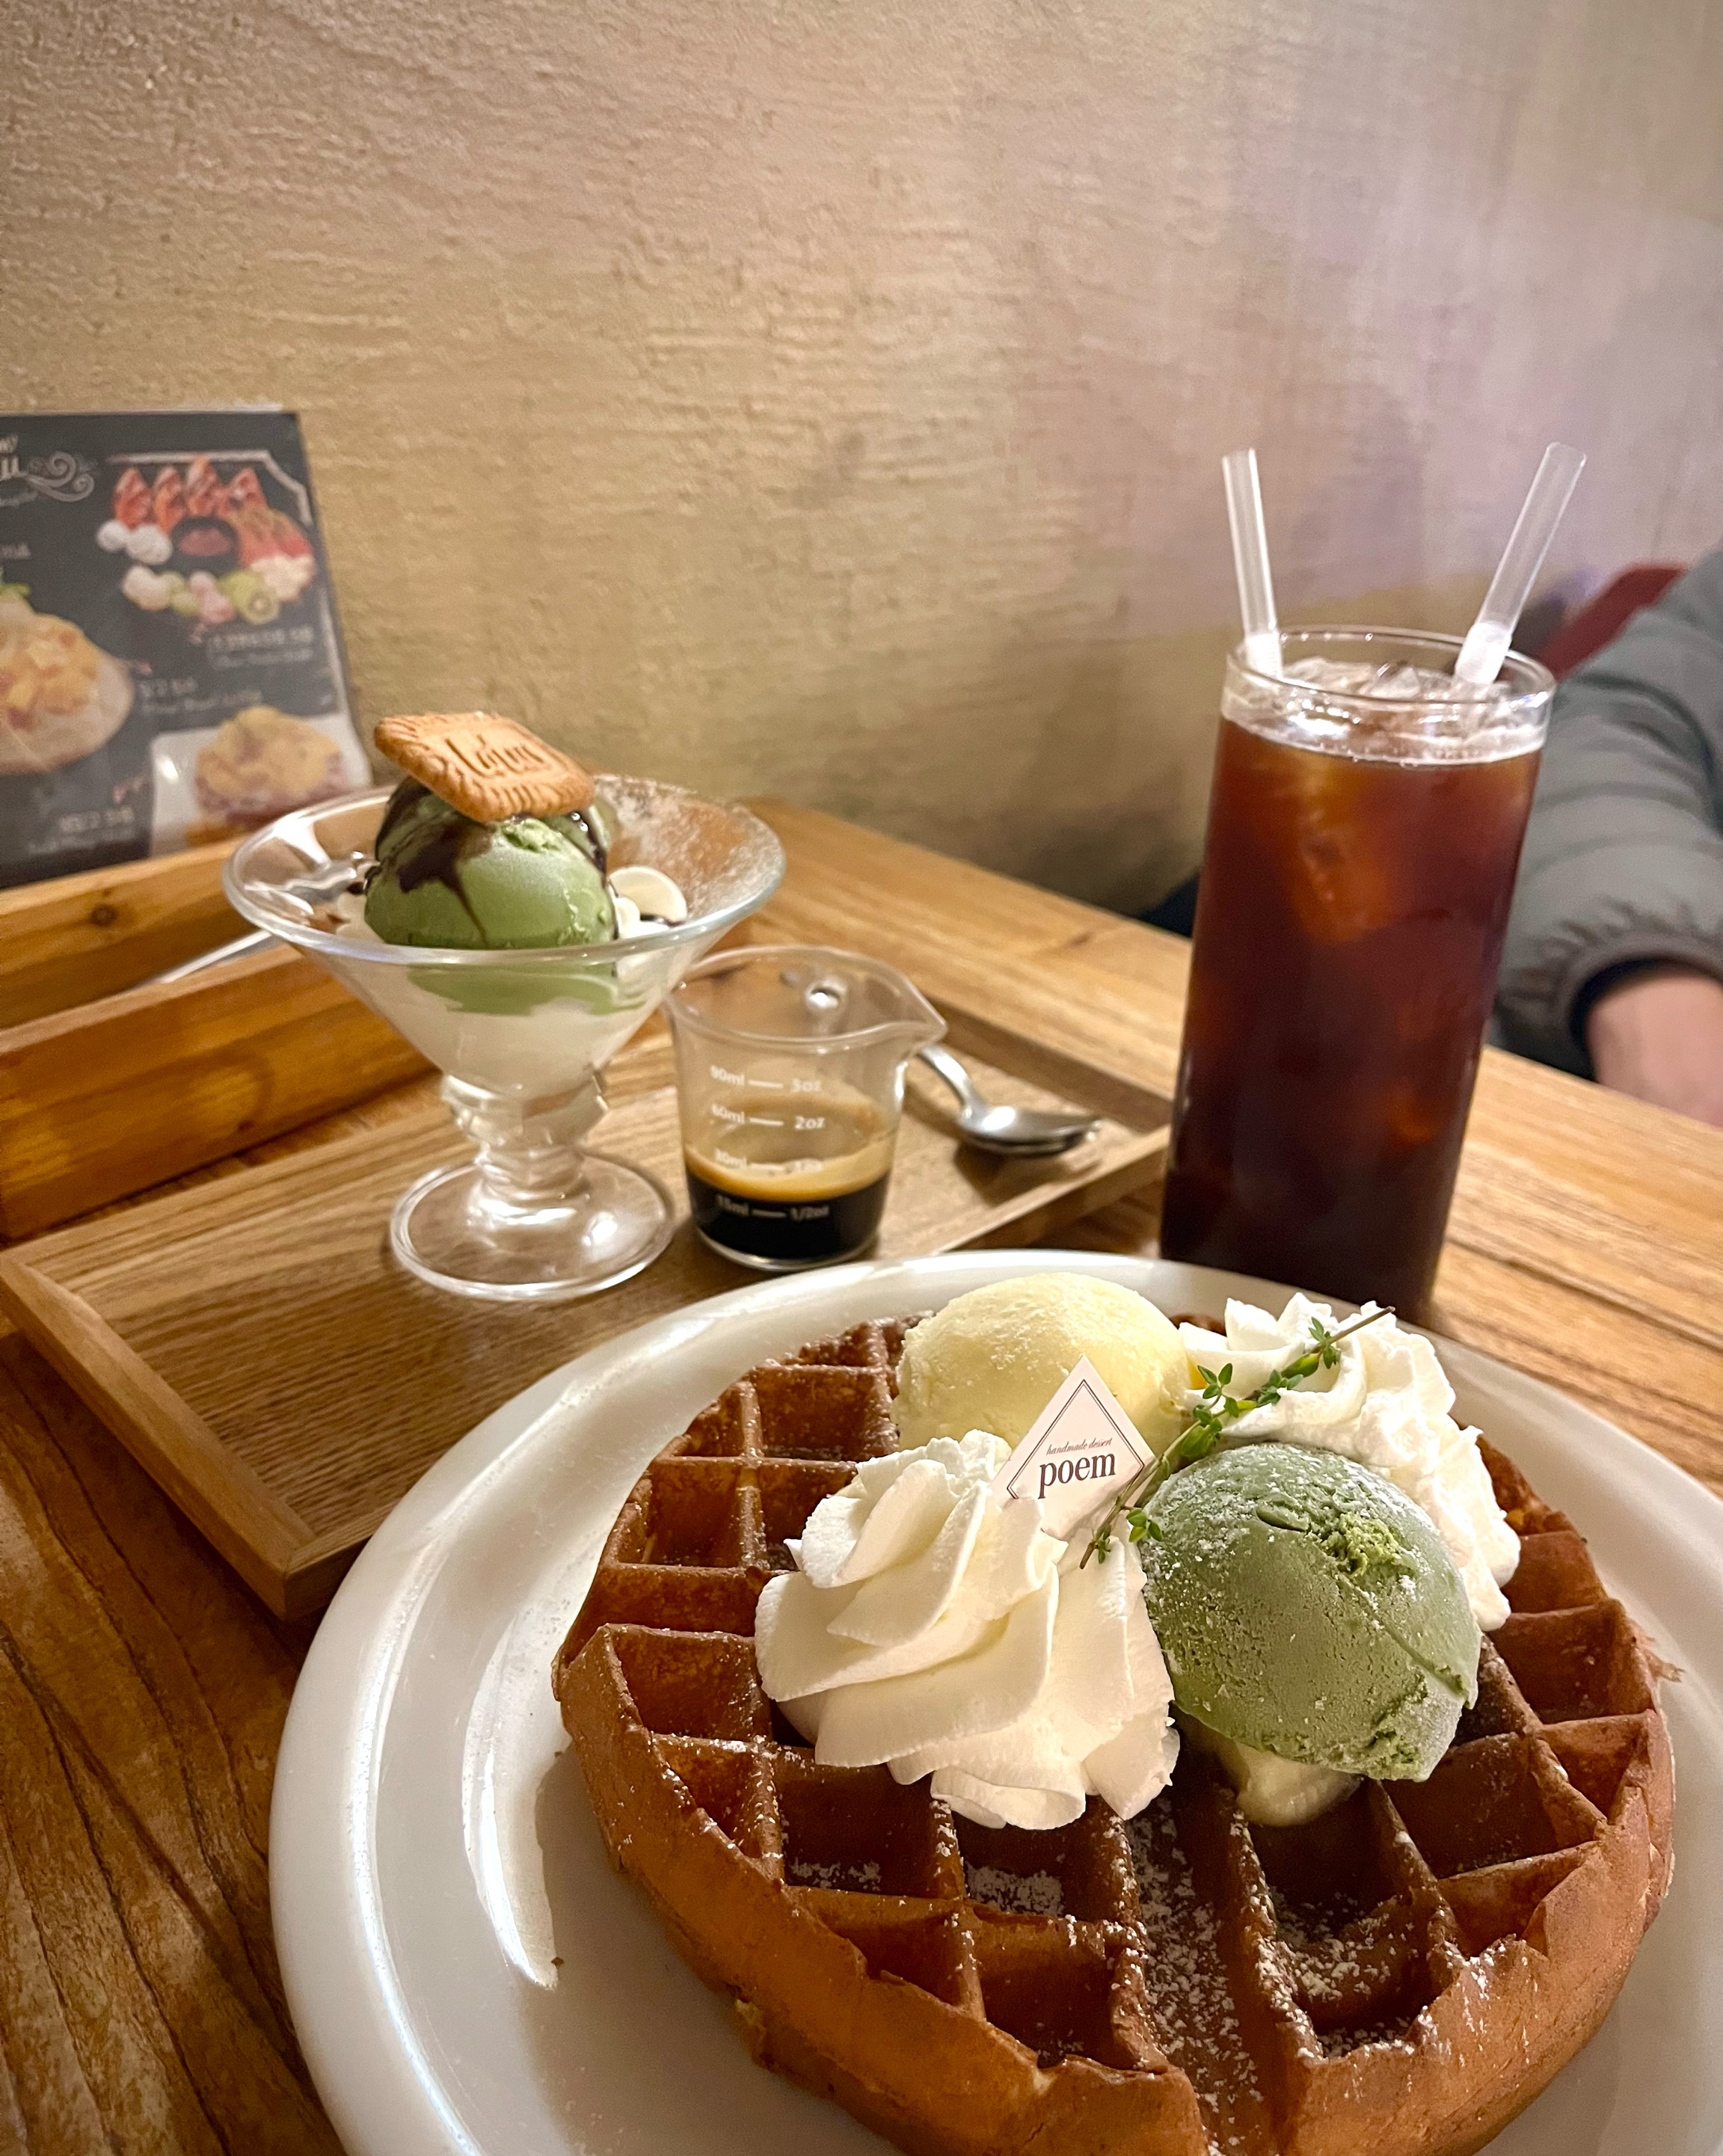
1215	1410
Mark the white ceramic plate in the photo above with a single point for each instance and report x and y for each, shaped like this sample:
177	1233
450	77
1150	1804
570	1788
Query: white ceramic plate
467	1973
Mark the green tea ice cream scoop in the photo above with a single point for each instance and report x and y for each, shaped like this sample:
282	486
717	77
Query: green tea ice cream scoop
1307	1608
444	882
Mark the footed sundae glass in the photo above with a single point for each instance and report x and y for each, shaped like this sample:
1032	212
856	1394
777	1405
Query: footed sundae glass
521	1037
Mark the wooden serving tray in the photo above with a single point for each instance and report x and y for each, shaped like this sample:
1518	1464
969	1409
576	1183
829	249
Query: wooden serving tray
258	1349
107	1087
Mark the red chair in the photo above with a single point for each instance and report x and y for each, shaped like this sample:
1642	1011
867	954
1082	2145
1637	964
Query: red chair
1604	616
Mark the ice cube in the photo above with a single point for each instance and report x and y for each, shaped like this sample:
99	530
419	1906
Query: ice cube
1400	683
1386	712
1339	869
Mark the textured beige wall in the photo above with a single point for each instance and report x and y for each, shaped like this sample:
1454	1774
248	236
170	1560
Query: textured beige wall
826	397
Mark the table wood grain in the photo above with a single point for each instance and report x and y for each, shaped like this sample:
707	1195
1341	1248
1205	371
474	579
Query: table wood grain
143	1688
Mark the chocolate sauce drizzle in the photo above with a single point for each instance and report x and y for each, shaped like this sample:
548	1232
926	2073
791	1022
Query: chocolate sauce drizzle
405	796
595	843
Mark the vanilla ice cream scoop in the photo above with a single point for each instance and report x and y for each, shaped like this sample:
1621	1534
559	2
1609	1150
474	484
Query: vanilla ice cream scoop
993	1358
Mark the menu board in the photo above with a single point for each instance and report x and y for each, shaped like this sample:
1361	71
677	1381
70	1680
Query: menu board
171	665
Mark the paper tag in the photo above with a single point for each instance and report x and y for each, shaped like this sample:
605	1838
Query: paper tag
1082	1447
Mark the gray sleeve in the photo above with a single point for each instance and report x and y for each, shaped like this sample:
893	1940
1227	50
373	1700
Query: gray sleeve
1623	859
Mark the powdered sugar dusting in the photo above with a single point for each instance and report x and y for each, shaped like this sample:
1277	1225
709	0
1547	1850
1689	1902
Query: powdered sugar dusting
842	1878
1337	2043
1190	2000
1018	1893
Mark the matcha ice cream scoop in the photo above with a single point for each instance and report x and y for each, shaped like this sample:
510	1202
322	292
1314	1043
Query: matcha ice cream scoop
444	882
1307	1609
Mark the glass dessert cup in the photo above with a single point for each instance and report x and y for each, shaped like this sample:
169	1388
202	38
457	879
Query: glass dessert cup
521	1037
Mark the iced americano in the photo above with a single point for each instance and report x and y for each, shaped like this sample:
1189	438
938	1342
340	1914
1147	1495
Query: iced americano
1364	830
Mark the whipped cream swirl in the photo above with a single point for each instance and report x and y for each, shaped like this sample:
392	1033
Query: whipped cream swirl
935	1628
1387	1405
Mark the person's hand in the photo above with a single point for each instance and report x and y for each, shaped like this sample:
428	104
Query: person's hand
1658	1034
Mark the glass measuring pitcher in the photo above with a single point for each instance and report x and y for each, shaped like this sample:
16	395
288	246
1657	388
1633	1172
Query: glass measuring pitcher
790	1079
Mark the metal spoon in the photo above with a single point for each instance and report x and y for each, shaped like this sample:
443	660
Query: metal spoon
996	1129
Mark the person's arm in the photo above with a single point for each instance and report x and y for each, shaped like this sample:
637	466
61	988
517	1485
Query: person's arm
1657	1032
1614	957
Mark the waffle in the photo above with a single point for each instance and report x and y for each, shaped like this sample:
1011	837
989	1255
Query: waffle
1402	1975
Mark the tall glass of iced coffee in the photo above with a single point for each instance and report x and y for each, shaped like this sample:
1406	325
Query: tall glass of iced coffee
1363	833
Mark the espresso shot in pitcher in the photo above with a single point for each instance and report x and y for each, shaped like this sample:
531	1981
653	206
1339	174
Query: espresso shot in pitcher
759	1190
790	1087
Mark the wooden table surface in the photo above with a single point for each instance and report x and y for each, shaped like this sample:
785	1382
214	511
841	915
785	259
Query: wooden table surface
142	1688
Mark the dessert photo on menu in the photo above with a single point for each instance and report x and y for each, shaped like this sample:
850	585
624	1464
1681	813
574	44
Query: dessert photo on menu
170	666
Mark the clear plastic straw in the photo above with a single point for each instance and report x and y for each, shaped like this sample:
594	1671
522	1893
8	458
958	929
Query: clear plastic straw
1488	638
1250	558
